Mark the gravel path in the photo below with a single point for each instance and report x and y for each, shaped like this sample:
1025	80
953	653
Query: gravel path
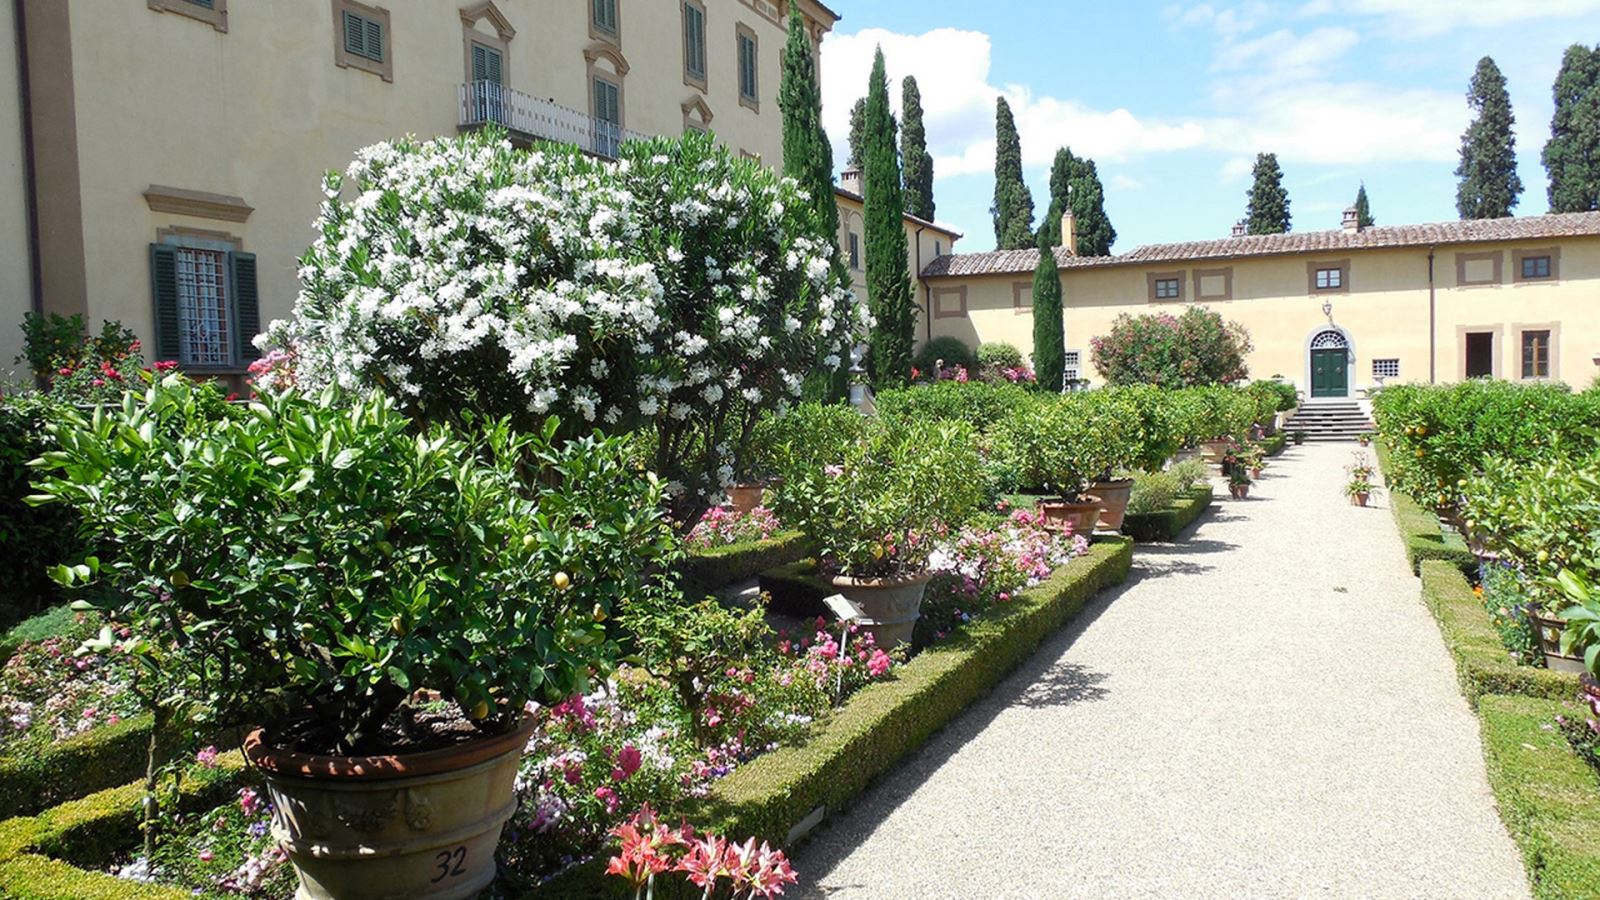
1263	710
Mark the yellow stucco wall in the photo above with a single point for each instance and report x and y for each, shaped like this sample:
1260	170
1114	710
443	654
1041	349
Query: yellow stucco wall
261	111
1384	313
924	244
15	290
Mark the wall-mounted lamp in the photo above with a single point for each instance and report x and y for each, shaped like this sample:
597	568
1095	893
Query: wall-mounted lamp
1327	310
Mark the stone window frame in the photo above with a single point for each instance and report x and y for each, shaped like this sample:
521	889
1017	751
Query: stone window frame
936	297
216	16
741	31
1224	272
1496	347
1153	278
1517	256
1495	256
853	250
696	106
344	59
597	33
198	204
1322	265
500	42
702	83
1519	328
617	77
1022	298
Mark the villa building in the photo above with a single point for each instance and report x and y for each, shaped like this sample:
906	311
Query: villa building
1335	312
161	160
926	241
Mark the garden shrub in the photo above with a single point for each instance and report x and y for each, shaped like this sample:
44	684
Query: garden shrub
1482	664
34	538
1196	348
1052	445
681	290
1539	516
976	403
57	346
952	350
1152	493
1504	595
805	436
1274	396
713	568
999	355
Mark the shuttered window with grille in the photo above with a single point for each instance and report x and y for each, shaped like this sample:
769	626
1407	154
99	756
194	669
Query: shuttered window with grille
207	306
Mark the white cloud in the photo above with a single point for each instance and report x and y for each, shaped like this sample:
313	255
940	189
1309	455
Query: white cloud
1283	54
1341	124
1415	18
1237	168
1228	21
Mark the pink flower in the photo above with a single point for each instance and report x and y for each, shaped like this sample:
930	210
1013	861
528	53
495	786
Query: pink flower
207	856
249	802
879	663
207	757
609	796
628	762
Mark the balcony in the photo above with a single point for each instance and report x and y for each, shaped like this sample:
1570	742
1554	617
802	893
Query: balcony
491	103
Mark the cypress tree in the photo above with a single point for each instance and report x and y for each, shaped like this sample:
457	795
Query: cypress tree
1062	171
858	124
1049	336
914	153
1013	205
1268	210
1364	217
1489	184
807	154
1088	203
888	273
1572	156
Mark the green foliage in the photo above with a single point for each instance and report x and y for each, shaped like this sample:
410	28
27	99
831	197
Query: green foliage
888	277
1538	516
713	568
806	436
1268	208
313	555
952	350
34	538
103	757
1546	796
877	512
976	403
1273	397
1482	664
1196	348
1013	205
1152	492
53	342
53	622
1075	187
1210	413
1490	184
1504	596
1364	217
914	153
1049	328
1582	634
998	355
807	152
1167	524
858	132
1572	155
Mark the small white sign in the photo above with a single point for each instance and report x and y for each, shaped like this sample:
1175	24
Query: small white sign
841	607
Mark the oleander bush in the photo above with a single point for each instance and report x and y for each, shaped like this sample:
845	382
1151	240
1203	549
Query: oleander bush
1195	349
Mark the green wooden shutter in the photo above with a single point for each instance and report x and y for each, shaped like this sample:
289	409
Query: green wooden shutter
246	303
164	296
480	62
374	40
355	34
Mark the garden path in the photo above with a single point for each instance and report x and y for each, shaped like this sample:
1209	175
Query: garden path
1263	710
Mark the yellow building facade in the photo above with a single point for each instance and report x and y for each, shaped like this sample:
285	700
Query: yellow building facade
175	148
926	241
1335	312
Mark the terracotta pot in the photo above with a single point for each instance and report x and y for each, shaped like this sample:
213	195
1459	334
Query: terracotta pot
1114	502
1239	491
1548	628
1080	515
416	825
891	605
1364	441
1359	499
1214	451
1255	471
745	497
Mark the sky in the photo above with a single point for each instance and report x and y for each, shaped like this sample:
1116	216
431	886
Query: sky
1174	100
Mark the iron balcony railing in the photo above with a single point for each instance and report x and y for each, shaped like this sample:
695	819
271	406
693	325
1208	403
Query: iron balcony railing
492	103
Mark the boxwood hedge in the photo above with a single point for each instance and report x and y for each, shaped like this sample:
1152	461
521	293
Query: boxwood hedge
1482	663
107	756
1164	526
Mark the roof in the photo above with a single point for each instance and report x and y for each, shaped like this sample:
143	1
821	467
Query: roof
1475	231
852	195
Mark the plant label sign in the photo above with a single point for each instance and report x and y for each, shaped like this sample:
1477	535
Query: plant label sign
841	607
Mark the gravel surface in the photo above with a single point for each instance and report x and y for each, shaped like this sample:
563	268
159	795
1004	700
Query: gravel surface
1264	710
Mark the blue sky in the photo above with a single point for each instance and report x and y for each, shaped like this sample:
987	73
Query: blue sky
1173	100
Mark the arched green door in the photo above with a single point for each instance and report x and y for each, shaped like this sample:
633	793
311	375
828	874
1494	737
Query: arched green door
1330	373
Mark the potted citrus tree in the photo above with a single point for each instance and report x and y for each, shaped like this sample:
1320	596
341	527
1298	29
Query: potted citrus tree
1052	446
1138	430
876	516
375	602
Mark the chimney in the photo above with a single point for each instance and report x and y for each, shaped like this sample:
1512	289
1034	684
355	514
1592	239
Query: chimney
1351	221
851	181
1069	233
1239	228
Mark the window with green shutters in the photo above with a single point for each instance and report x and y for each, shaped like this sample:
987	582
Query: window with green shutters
487	64
363	36
608	118
749	86
694	41
206	303
605	15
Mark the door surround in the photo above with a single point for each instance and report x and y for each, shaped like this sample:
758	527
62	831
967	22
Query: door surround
1330	337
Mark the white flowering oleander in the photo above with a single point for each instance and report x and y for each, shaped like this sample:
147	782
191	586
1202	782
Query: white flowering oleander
674	289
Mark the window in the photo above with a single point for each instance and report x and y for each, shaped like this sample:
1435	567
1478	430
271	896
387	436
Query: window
1329	279
207	308
938	249
604	19
1542	264
1479	354
363	38
749	80
855	250
1022	298
1328	276
488	64
1535	267
1536	353
694	44
211	12
1168	289
608	118
1072	370
949	303
1386	368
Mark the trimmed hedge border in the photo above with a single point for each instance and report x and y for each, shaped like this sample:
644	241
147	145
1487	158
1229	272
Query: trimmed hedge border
798	785
93	831
718	567
1164	526
104	757
1547	796
1481	661
1424	539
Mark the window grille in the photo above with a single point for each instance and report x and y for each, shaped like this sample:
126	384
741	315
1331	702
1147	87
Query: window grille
203	334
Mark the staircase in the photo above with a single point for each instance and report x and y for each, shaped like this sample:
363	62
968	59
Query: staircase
1329	420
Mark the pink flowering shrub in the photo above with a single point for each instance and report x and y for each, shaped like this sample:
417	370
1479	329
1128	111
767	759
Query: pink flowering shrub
987	564
228	851
49	692
722	526
650	850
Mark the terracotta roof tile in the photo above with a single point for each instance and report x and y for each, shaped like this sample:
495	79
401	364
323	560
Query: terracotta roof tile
1517	228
